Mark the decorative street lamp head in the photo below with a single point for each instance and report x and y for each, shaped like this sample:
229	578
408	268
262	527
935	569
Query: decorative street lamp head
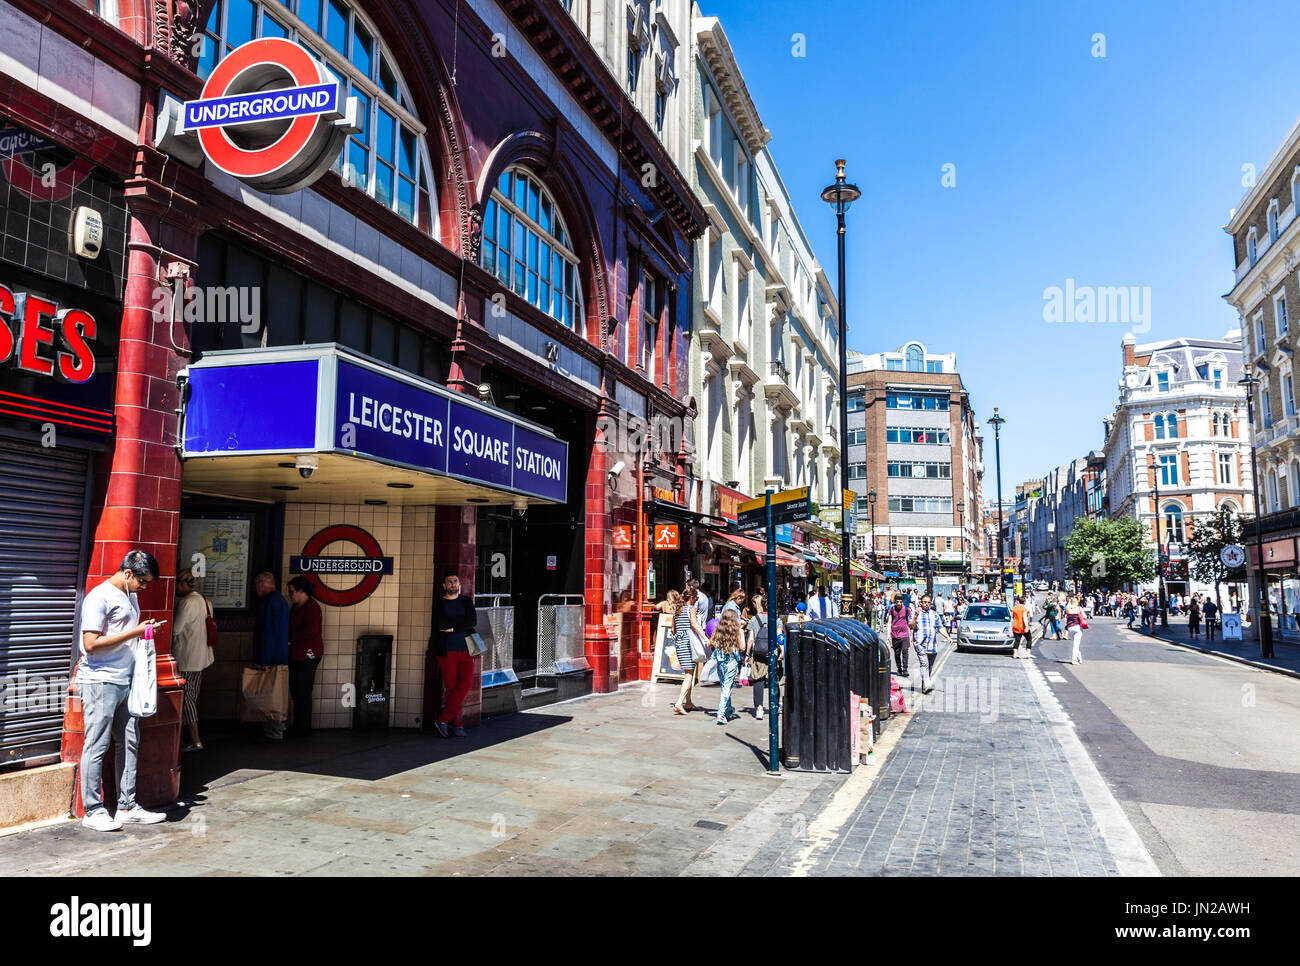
997	421
841	194
871	497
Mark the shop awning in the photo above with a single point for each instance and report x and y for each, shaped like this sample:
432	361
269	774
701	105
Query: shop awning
756	547
253	417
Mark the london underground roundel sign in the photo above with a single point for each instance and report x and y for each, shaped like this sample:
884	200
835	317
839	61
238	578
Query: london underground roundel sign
272	116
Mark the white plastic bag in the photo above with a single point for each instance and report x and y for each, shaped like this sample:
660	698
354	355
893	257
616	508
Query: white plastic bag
142	701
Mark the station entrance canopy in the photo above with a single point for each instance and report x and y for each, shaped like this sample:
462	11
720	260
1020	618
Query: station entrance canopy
254	418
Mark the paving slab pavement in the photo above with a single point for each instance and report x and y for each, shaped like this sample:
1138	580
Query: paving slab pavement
603	785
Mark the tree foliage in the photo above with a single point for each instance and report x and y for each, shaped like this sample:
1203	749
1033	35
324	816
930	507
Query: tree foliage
1108	553
1210	534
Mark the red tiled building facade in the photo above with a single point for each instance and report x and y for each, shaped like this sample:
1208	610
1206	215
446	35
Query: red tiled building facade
386	254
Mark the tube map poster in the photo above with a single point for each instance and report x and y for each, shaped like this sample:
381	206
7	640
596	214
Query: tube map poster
224	545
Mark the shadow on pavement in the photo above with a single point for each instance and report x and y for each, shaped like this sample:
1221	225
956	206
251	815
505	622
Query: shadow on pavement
231	757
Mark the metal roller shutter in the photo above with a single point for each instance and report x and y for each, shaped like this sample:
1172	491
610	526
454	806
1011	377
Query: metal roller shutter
43	496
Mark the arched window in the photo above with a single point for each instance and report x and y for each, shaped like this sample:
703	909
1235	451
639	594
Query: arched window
1214	424
1160	425
527	247
1173	523
387	158
915	358
1173	425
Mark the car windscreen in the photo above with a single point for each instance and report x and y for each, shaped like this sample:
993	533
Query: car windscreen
987	614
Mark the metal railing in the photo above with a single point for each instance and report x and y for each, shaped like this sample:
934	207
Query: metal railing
561	628
496	625
779	370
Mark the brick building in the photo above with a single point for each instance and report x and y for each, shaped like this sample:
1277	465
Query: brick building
486	230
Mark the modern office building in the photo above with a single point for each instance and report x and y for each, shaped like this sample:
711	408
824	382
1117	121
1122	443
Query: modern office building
913	443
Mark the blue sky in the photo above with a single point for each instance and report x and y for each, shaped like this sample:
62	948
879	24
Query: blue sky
1114	170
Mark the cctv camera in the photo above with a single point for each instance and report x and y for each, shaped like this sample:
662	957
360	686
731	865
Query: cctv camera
307	465
615	470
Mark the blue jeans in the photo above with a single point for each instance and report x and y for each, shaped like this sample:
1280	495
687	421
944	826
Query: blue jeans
103	708
728	670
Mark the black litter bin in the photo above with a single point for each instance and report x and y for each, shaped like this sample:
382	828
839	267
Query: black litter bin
373	681
816	734
866	664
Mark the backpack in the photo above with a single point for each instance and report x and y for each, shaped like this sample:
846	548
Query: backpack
760	652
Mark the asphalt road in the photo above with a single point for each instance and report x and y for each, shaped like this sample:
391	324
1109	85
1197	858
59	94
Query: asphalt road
1202	753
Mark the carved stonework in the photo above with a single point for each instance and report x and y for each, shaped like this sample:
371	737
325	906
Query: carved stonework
474	237
175	23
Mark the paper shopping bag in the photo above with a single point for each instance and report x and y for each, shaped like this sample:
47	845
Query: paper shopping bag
265	693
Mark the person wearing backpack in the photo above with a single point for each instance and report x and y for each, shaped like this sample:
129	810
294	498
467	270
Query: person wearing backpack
192	649
759	644
901	621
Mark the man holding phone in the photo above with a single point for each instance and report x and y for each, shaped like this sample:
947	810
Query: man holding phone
110	621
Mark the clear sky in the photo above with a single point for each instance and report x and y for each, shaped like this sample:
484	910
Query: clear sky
1111	171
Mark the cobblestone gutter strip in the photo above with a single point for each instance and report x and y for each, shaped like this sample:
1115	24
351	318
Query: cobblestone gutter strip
1129	854
840	810
1235	658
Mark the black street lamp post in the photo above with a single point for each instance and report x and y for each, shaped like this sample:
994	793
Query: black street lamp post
961	527
996	422
1161	558
840	196
871	517
1250	381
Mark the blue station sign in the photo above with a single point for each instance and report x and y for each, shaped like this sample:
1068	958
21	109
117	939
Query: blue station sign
326	399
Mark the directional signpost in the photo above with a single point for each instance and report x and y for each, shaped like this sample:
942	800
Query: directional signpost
767	513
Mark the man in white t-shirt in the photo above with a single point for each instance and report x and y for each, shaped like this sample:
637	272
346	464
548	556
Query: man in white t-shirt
110	621
822	605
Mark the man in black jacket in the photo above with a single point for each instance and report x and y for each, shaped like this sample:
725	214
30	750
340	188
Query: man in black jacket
454	620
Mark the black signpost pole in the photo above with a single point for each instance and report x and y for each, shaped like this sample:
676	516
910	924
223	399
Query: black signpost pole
773	689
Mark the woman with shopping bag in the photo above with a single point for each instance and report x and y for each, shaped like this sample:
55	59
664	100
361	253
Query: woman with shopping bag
192	650
688	638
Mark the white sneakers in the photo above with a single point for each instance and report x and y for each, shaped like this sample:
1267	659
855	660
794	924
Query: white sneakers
141	816
101	821
758	712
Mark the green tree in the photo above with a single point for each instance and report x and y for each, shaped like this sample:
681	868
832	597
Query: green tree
1210	534
1107	553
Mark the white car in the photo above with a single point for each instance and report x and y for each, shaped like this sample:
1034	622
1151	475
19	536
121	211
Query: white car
987	627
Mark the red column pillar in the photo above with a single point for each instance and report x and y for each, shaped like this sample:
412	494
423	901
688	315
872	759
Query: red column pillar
455	548
600	643
141	489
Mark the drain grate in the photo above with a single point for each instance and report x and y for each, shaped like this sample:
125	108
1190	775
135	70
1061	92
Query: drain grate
716	826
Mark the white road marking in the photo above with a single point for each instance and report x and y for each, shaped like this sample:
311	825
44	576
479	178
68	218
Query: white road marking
1131	856
1056	677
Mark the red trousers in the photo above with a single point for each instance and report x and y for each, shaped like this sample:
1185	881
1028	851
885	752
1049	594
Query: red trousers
457	670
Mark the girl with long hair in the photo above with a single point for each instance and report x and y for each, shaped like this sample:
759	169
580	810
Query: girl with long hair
727	648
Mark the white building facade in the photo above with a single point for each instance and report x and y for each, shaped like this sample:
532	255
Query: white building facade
1180	430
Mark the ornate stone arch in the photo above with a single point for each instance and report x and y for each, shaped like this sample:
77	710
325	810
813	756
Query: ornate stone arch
543	154
405	31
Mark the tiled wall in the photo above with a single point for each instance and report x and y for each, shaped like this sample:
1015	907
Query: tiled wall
399	606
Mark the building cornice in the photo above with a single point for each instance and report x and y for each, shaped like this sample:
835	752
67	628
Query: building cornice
716	52
577	65
1263	181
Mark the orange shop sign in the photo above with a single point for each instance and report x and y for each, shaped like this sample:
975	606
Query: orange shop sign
666	537
668	496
